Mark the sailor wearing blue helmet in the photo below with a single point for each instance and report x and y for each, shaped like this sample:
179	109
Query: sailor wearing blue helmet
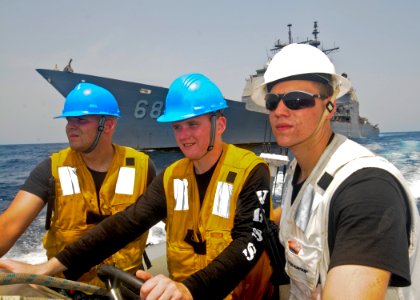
83	184
212	202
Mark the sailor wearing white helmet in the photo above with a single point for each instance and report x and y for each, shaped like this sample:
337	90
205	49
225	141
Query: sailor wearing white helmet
349	224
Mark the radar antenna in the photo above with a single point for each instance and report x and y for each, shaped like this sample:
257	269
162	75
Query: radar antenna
316	43
290	33
68	68
278	45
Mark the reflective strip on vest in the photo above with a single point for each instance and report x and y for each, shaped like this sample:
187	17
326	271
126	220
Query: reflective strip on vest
221	203
125	181
68	180
181	194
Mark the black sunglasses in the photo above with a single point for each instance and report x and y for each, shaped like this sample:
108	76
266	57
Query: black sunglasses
293	100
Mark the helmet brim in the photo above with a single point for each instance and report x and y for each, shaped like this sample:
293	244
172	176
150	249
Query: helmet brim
175	117
81	114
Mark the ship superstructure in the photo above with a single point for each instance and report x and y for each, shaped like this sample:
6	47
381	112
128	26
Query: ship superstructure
346	121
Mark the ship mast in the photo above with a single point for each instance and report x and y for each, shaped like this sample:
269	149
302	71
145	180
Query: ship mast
290	33
278	45
315	41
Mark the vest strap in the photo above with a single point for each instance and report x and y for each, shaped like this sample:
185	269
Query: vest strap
199	247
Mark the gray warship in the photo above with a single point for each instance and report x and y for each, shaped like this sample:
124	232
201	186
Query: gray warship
346	121
141	104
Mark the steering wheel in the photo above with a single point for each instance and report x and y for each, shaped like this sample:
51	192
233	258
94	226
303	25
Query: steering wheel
122	285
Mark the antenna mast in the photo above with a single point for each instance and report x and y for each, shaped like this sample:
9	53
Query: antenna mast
315	41
290	33
278	45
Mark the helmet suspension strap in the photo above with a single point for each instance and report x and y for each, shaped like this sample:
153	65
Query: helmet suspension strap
98	135
213	118
212	131
328	108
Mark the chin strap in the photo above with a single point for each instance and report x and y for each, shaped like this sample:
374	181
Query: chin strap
212	132
98	135
329	107
213	119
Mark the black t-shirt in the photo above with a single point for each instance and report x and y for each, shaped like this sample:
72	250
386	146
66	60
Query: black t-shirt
369	223
203	181
38	181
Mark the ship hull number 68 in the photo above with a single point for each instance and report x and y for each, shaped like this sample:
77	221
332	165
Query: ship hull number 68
143	109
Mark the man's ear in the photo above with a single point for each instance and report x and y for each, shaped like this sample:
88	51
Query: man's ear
110	124
221	124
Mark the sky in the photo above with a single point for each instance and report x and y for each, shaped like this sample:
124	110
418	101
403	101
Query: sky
154	42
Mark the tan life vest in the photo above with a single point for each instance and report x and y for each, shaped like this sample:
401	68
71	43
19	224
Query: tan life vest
76	195
212	222
304	224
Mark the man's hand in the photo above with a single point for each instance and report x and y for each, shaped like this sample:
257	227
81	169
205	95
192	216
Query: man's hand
161	287
51	267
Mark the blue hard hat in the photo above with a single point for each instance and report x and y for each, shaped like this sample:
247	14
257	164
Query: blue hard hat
89	99
191	95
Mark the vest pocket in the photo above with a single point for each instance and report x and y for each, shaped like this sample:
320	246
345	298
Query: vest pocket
120	202
302	262
182	261
67	212
216	241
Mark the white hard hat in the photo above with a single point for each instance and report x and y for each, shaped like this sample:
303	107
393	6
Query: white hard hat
300	59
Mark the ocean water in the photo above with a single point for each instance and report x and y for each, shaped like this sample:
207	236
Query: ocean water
16	162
